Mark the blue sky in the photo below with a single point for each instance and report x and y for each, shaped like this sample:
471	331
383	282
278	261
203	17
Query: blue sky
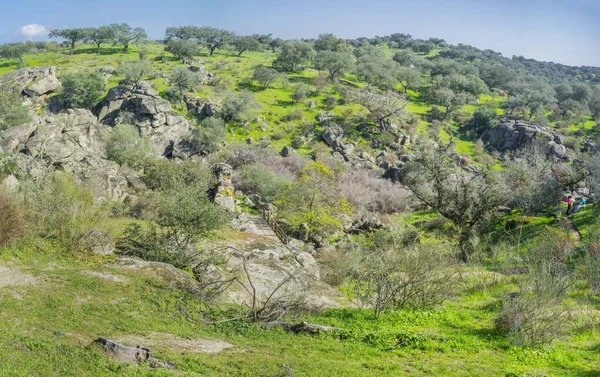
560	31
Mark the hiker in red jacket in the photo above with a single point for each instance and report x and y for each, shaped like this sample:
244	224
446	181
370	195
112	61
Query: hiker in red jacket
569	204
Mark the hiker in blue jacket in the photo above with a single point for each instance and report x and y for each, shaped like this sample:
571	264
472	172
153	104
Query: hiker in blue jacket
580	205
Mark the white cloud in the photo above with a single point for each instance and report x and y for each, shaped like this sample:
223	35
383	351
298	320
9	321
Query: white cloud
32	31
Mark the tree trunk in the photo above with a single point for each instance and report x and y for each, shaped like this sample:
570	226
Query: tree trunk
126	47
212	50
73	45
241	52
463	244
98	44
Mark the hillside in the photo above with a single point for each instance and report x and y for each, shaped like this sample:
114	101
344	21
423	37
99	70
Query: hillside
372	207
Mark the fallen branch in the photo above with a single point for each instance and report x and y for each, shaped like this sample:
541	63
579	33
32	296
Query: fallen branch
302	327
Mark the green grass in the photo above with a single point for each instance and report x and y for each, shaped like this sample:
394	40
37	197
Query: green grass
275	102
47	330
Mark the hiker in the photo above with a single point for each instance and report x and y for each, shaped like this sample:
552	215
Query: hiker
569	204
581	204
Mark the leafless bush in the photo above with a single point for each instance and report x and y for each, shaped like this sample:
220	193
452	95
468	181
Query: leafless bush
369	193
13	219
528	319
589	267
271	306
63	210
547	264
397	277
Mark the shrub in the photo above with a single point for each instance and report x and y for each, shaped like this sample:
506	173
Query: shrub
210	136
67	212
183	213
134	72
369	193
279	134
82	89
152	245
330	102
313	202
294	114
258	179
397	276
297	142
301	92
436	113
13	220
547	263
143	53
483	119
265	76
589	268
125	146
12	110
8	164
530	320
184	80
239	107
164	175
186	214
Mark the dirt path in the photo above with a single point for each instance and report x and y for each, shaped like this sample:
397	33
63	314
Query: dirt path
572	230
13	277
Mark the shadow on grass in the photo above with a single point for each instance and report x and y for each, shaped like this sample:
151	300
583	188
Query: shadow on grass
9	64
284	104
102	51
300	80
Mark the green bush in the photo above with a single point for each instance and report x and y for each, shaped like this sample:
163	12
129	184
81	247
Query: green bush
82	89
239	107
301	92
125	146
258	179
531	320
483	119
210	136
13	223
184	80
68	213
186	214
164	175
8	164
134	72
12	110
265	76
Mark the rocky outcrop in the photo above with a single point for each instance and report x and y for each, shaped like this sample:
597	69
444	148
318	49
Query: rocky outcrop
268	264
153	115
512	135
344	151
33	81
201	69
224	192
201	107
71	141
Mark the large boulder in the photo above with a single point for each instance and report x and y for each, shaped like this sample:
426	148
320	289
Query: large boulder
72	142
153	115
42	86
224	192
200	107
33	81
512	135
270	265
